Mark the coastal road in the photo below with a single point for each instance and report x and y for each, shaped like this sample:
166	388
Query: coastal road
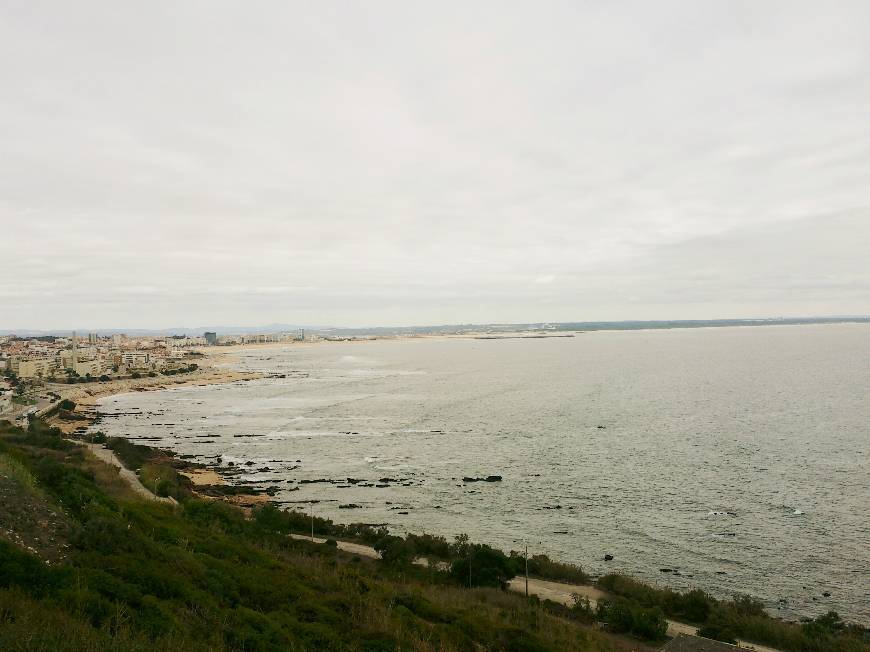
546	590
564	594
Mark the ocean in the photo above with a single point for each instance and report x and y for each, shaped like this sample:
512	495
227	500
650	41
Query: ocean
734	458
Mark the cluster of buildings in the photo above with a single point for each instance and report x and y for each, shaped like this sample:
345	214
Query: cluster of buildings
58	358
213	339
95	355
5	395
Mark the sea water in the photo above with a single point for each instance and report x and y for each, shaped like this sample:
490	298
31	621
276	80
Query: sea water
737	457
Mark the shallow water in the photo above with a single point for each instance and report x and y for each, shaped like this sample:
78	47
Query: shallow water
738	456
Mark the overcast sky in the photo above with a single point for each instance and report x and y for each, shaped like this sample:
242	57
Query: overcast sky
386	163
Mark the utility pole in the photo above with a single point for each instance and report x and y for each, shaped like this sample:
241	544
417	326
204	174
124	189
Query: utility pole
527	570
312	522
469	568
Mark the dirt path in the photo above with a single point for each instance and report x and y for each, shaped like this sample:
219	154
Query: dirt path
108	456
355	548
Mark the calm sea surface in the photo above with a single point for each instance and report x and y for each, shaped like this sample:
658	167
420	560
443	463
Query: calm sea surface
738	456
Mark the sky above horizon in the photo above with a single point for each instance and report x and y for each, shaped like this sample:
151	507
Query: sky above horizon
404	163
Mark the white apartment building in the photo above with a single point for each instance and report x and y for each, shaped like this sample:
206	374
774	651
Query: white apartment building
136	359
92	367
33	368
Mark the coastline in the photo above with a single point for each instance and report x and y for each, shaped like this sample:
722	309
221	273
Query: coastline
86	396
223	356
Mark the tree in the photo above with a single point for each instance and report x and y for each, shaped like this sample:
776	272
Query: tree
395	550
482	566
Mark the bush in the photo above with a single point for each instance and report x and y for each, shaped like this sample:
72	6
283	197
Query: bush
544	567
622	616
719	631
395	550
482	566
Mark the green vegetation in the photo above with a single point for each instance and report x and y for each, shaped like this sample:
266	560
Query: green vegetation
741	617
128	574
138	575
180	370
622	615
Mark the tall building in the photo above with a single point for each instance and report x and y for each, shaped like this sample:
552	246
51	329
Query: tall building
92	338
210	338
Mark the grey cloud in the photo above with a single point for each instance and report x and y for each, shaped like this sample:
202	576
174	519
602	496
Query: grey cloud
412	163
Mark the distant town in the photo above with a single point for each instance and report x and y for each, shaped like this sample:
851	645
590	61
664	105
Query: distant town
32	369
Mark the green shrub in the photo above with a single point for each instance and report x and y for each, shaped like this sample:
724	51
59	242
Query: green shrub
482	566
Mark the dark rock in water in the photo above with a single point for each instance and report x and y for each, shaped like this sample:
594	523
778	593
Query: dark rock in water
608	557
493	478
560	531
265	468
720	572
381	486
601	427
401	512
826	594
387	480
354	480
666	570
231	463
488	478
350	506
249	464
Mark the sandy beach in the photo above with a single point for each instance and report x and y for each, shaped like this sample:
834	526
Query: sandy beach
87	395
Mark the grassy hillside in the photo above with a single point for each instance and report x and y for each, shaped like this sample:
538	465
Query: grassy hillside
86	565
